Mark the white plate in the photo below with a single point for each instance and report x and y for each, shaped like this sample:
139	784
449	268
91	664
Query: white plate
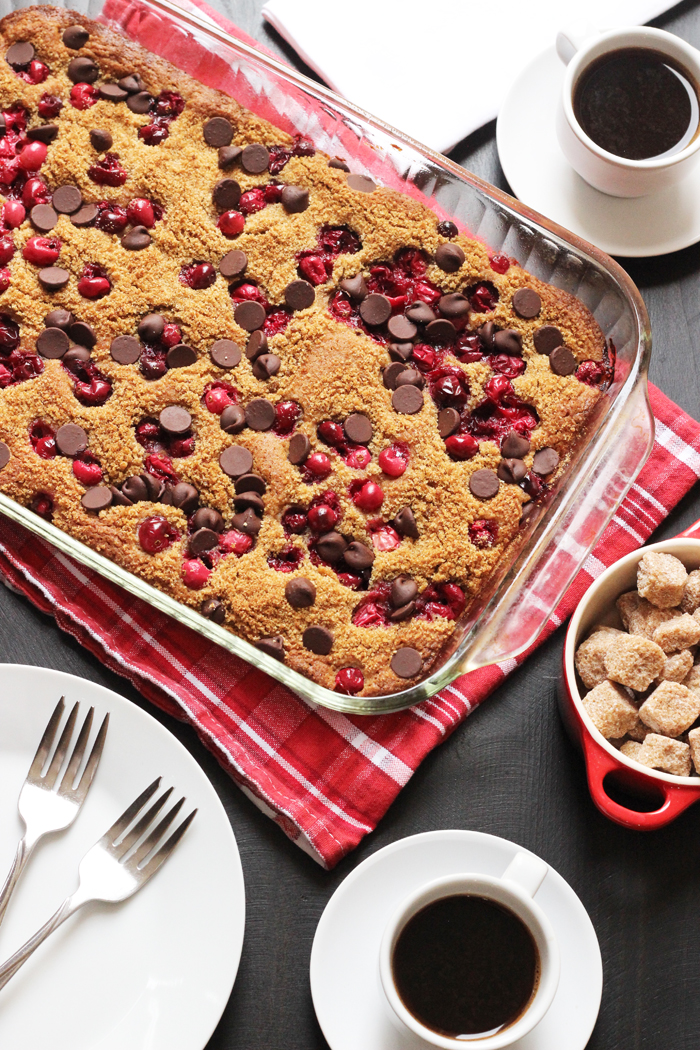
155	972
345	984
540	177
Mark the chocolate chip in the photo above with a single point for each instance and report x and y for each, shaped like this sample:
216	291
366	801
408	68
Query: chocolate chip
407	400
405	523
441	331
406	663
299	295
151	327
299	448
318	640
337	162
514	445
300	593
403	612
83	333
180	356
375	310
355	287
508	342
255	158
361	183
295	199
512	471
487	334
52	343
136	239
112	92
233	264
410	377
391	373
101	140
446	228
132	83
403	590
59	319
53	277
400	351
213	609
358	428
135	489
82	70
71	439
265	366
527	511
260	414
202	540
19	54
547	338
236	460
118	498
226	194
232	419
85	216
358	556
140	102
175	419
155	486
225	353
449	257
249	315
448	421
251	483
526	303
66	199
75	358
3	124
272	646
75	37
208	518
546	461
183	496
228	155
453	305
256	345
248	522
125	349
97	498
420	313
331	547
4	455
484	483
45	133
218	131
400	328
562	361
251	499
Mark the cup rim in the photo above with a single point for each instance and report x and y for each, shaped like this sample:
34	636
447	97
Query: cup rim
478	884
578	63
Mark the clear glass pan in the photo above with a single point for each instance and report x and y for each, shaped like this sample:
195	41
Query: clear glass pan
527	588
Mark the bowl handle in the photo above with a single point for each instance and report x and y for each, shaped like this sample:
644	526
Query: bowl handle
676	797
692	532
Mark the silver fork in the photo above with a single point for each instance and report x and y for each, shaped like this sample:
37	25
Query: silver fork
115	867
42	809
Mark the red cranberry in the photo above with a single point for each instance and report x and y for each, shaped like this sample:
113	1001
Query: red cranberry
42	504
231	223
156	132
358	457
534	486
287	415
7	247
287	560
152	363
142	212
368	496
294	521
592	373
500	263
9	172
462	446
172	335
9	334
319	465
42	251
5	278
87	473
314	269
148	433
349	579
483	297
499	389
43	439
194	573
449	386
245	291
235	542
108	171
349	680
161	467
219	395
13	214
94	283
331	433
83	96
252	201
16	117
507	365
49	106
394	460
111	218
483	533
385	538
370	613
168	104
93	392
198	275
35	73
35	191
339	240
447	228
156	533
322	518
276	322
425	357
33	156
24	366
181	447
273	193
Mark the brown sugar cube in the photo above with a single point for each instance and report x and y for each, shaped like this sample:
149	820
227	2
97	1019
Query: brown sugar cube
677	667
670	756
694	744
641	617
634	661
691	595
631	748
671	709
661	579
692	681
678	633
610	709
639	732
590	654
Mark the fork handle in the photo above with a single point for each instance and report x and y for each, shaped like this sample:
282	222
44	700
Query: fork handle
10	967
24	851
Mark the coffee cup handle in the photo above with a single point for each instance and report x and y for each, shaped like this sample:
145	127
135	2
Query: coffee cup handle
572	39
527	871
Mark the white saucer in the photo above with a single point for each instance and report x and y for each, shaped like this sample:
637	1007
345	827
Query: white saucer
345	984
155	972
540	177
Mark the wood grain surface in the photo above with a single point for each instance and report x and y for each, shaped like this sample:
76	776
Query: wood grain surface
509	770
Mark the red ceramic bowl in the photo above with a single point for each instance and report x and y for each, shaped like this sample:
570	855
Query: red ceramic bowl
624	791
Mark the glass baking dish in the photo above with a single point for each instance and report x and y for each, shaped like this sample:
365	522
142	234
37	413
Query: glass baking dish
527	587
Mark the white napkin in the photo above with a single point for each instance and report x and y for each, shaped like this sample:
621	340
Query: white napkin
435	70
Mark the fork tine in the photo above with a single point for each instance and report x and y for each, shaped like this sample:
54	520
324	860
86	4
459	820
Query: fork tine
93	761
122	823
78	751
167	848
61	748
154	838
46	741
143	824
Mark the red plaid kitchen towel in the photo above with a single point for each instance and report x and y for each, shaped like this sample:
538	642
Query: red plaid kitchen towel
325	778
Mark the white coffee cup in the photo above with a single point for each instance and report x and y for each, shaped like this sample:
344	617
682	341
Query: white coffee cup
607	172
515	890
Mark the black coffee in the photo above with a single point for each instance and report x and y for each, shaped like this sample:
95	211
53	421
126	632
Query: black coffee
465	966
636	103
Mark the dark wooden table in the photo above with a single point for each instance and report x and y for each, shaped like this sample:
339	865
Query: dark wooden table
510	770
